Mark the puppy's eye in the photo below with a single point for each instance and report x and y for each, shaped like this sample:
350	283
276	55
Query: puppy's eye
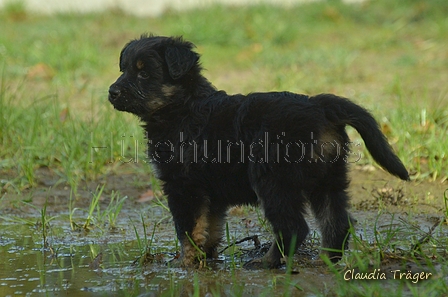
143	75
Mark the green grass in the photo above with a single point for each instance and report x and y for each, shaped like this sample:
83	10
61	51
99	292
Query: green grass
396	249
445	200
54	111
389	56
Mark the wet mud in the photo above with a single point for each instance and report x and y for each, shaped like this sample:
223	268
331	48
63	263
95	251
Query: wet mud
46	248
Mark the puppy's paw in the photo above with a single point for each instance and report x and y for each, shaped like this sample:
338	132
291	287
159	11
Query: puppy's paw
185	263
175	263
255	264
262	263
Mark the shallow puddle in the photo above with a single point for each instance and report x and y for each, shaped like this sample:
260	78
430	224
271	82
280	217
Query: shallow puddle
76	264
59	261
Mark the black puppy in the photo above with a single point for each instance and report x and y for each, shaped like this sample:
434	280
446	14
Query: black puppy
213	150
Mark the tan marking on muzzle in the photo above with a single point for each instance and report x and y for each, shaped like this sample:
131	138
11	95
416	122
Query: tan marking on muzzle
168	90
155	103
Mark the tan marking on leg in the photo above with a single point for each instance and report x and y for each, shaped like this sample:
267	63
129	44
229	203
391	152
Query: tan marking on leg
200	230
190	253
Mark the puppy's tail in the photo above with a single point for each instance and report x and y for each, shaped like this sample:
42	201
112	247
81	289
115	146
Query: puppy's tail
341	111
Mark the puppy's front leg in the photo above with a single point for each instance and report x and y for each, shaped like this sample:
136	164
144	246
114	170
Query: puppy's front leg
192	228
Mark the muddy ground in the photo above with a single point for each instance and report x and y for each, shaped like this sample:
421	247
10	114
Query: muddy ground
371	189
99	259
373	192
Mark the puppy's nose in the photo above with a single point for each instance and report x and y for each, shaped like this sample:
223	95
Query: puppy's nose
114	92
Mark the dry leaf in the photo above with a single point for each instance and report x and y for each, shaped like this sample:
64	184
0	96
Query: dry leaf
63	115
146	196
41	70
386	129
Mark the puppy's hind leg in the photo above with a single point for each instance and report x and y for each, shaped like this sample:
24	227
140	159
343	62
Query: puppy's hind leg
329	204
284	208
216	232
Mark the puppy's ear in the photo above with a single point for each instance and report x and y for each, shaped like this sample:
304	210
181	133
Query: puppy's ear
180	59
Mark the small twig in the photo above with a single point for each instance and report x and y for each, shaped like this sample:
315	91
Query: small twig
426	237
254	238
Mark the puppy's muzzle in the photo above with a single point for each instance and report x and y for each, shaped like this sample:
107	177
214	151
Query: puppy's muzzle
114	93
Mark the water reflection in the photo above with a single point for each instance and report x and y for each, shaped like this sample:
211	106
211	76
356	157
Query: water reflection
75	264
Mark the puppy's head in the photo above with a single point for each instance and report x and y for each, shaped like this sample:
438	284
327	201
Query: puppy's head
154	72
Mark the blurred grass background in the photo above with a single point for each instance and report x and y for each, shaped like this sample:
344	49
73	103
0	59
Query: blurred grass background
55	70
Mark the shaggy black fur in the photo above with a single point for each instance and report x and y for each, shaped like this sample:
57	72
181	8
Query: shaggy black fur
212	150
